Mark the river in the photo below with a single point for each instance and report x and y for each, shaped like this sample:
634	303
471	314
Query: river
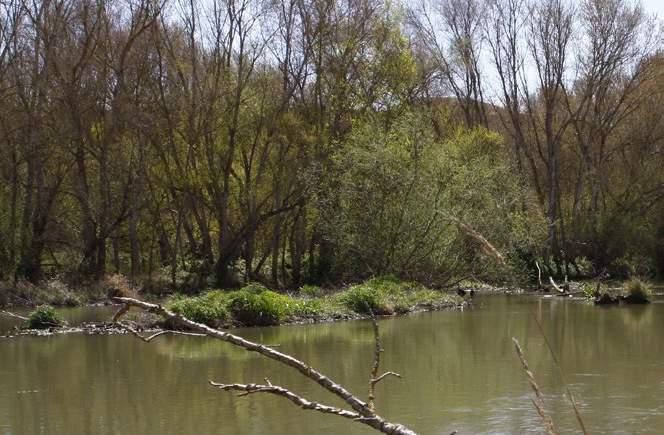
459	372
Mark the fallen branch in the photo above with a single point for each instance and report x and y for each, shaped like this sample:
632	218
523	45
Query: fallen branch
25	319
484	244
554	285
303	403
365	414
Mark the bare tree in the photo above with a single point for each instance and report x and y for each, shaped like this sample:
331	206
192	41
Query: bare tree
550	29
450	33
618	38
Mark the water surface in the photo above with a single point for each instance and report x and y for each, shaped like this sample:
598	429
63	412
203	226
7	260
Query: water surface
460	373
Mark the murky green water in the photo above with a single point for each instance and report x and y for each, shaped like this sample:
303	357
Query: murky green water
460	373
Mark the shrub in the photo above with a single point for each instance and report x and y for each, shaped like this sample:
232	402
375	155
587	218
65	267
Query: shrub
44	317
209	308
311	291
365	299
259	309
637	292
590	289
255	288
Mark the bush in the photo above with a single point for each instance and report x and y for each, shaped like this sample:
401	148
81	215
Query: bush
259	309
209	308
311	291
637	292
254	288
588	289
44	317
365	299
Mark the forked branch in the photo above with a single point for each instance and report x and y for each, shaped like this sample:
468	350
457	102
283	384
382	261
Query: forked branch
362	412
375	378
303	403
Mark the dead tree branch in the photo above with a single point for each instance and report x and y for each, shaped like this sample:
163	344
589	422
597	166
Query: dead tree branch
538	401
149	338
363	413
555	286
16	316
375	378
485	246
303	403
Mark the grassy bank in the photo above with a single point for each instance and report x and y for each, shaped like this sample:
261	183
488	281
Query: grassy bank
255	305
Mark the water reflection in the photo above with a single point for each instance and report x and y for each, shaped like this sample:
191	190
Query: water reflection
460	373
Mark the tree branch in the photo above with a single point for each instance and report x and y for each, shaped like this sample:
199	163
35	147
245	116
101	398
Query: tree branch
303	403
375	378
16	316
365	413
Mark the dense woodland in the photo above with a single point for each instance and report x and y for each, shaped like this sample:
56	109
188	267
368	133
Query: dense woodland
195	143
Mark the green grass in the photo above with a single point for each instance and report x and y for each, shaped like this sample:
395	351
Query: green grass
210	308
263	308
255	305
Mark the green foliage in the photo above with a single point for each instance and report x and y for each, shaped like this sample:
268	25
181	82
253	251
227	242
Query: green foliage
44	317
402	192
637	291
588	289
209	308
391	285
365	299
264	308
311	291
309	307
255	288
387	295
255	305
584	266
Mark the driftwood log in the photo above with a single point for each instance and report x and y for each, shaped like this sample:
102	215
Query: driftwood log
360	412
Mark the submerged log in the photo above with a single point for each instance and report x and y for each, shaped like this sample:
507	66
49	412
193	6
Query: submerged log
606	299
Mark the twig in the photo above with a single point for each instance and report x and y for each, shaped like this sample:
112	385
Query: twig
148	339
367	415
570	396
538	401
25	319
375	378
303	403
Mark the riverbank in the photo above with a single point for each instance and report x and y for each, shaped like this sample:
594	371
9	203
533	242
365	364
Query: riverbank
256	305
